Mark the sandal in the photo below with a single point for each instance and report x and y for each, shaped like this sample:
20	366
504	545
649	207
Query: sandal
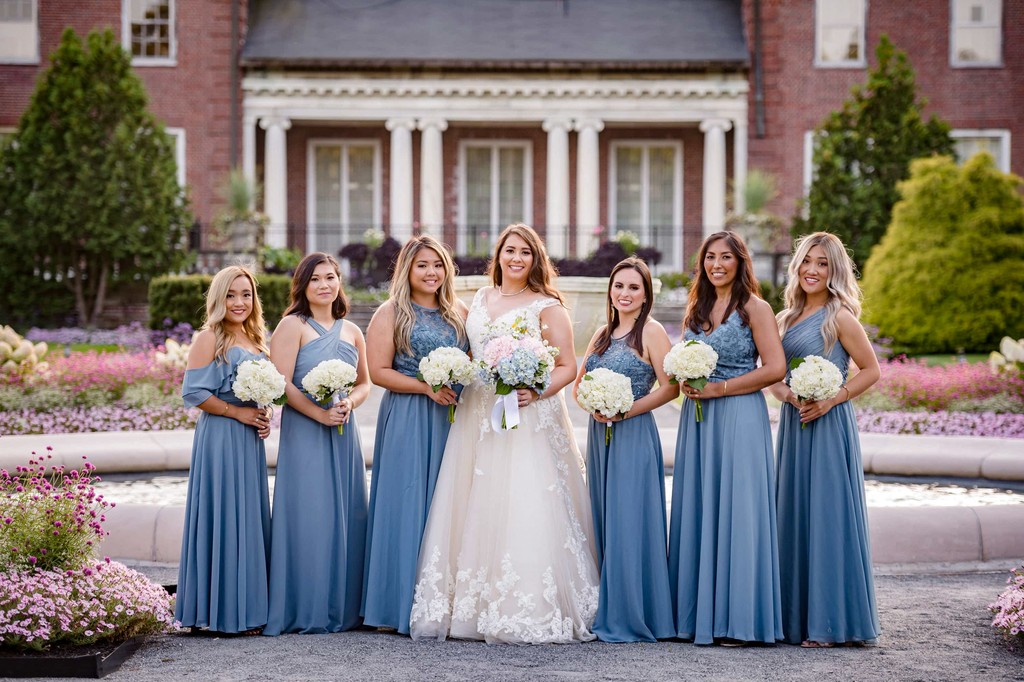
812	644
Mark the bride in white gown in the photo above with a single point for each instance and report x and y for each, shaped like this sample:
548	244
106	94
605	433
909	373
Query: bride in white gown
508	553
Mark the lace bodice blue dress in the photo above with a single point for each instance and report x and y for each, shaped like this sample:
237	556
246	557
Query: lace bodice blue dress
319	524
411	434
626	478
723	544
222	572
828	592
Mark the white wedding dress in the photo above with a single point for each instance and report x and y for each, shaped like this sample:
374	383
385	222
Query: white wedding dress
508	553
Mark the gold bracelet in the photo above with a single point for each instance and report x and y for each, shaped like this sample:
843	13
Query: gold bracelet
847	393
725	388
227	406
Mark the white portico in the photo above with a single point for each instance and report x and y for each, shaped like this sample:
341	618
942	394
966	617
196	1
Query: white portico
563	108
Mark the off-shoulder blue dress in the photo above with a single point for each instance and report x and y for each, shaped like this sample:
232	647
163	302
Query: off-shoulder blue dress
411	434
723	543
828	593
319	526
627	495
222	574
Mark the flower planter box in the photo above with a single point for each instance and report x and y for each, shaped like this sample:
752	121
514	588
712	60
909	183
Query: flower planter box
95	662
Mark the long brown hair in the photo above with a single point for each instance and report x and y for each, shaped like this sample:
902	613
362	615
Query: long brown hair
635	338
400	293
298	303
542	271
702	291
216	308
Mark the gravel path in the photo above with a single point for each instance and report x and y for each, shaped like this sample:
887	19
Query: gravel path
935	627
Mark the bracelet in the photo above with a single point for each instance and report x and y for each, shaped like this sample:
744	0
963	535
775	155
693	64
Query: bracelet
725	388
227	406
847	392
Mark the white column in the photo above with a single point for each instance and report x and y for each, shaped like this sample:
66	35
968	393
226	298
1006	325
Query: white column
557	186
275	179
432	176
401	177
249	150
588	185
739	163
714	173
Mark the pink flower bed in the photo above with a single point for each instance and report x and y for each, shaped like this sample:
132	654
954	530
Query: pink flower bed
111	372
916	385
942	423
103	418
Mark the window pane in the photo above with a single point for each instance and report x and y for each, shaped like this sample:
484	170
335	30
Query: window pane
966	147
150	19
840	44
360	188
977	12
328	186
840	12
478	189
660	199
510	186
628	188
977	45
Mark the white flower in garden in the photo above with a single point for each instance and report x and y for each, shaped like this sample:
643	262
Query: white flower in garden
814	378
175	355
258	381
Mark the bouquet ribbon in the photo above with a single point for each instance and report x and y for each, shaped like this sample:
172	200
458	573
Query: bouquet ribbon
505	413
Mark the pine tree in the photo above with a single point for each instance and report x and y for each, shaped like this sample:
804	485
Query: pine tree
89	195
862	151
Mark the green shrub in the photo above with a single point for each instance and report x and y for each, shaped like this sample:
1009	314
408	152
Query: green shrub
674	280
947	275
773	294
149	395
182	298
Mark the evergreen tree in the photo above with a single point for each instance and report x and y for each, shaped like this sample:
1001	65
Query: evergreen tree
89	195
862	151
948	274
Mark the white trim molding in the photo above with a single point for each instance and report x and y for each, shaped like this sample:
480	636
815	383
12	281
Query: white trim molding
1001	136
14	32
126	36
179	152
848	5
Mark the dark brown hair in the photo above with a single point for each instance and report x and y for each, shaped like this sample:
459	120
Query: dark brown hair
635	338
702	291
542	271
299	304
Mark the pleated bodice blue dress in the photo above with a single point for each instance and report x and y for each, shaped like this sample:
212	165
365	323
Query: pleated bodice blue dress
319	526
828	593
222	574
627	496
411	434
723	543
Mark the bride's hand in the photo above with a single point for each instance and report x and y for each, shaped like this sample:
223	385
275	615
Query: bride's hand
526	396
445	396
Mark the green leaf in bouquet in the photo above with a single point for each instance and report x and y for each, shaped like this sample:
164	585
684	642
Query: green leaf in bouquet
795	362
698	384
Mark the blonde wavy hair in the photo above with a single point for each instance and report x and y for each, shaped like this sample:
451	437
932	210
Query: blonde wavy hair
216	308
542	271
400	292
843	290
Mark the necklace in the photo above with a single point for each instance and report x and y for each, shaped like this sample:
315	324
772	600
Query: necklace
515	294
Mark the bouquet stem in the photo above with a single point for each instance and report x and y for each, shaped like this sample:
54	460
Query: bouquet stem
700	410
451	413
608	434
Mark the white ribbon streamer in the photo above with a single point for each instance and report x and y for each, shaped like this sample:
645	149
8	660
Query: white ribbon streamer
509	406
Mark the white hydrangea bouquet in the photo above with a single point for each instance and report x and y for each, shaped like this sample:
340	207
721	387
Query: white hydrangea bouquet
814	378
329	382
446	366
516	358
693	362
607	392
259	381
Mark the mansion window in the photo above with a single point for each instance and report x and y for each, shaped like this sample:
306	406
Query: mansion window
177	136
967	143
976	33
839	33
344	192
19	32
494	192
148	32
645	195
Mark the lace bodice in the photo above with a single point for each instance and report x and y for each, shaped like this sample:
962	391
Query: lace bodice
481	328
734	343
804	338
429	331
622	359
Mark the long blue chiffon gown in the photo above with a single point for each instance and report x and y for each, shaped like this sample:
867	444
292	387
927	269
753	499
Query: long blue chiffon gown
319	525
222	574
723	544
627	495
411	434
828	593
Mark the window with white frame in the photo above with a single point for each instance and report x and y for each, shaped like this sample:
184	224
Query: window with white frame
344	192
839	33
967	143
976	33
494	192
5	134
646	195
148	31
19	32
178	136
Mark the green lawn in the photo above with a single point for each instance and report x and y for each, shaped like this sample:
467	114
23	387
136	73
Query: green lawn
947	359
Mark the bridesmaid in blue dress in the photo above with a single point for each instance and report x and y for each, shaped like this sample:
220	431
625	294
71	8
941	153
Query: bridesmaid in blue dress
627	476
828	593
422	313
319	526
723	545
222	574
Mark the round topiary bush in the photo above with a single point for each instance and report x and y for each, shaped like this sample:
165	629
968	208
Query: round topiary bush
949	273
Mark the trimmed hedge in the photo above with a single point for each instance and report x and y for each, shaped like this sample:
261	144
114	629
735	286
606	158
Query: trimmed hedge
182	298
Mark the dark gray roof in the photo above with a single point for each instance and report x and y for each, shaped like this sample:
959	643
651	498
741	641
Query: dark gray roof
497	33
